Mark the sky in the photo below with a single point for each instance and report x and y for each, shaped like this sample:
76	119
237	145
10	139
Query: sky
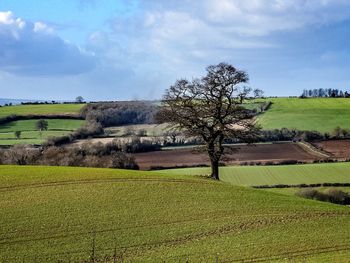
135	49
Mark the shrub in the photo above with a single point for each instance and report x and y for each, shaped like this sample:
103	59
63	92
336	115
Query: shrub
123	161
287	162
332	195
338	197
2	154
20	155
136	146
307	193
159	167
88	130
89	155
55	141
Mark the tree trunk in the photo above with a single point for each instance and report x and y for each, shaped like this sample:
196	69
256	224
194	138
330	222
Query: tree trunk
214	169
214	155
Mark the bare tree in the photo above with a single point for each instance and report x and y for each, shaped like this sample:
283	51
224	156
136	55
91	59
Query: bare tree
258	93
211	108
243	93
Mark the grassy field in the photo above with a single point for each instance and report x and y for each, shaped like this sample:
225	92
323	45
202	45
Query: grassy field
43	109
321	114
51	213
29	135
281	174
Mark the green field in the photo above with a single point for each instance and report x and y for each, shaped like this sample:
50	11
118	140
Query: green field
57	213
43	109
29	135
278	174
320	114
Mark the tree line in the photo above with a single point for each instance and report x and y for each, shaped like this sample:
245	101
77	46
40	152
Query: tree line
324	93
120	113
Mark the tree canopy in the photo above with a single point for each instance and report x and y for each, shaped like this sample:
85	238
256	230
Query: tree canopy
212	108
42	125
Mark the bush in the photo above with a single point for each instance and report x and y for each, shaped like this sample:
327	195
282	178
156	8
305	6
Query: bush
20	155
338	197
307	193
55	141
159	167
288	162
2	155
332	195
286	134
123	161
88	155
88	130
136	146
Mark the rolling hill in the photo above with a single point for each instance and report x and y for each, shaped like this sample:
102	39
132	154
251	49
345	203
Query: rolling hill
319	114
66	120
29	133
41	109
52	214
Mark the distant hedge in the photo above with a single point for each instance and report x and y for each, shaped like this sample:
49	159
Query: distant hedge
11	118
302	185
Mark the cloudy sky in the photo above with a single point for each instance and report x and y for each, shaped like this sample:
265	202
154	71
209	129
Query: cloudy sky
135	49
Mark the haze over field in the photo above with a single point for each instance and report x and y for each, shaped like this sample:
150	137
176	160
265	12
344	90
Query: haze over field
127	49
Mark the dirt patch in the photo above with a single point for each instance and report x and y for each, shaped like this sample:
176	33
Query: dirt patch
244	153
335	148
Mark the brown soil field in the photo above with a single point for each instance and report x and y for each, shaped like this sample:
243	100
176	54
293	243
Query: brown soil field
335	148
244	153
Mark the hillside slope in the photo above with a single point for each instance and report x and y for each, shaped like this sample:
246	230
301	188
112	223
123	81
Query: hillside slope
41	109
74	214
320	114
30	134
62	120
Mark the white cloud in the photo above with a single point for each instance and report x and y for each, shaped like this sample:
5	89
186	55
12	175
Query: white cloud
262	17
184	30
166	40
34	49
42	27
145	51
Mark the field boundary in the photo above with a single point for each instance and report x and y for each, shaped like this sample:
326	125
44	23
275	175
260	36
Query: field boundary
301	185
11	118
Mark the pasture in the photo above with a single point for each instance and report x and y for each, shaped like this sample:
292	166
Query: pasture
277	174
319	114
41	109
52	214
29	133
